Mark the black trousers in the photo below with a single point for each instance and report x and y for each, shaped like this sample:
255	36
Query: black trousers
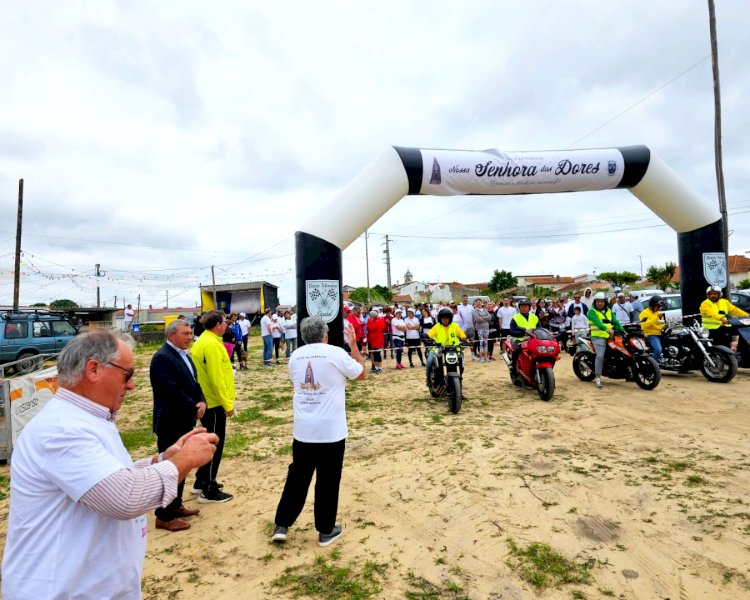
244	343
215	421
326	460
164	441
276	346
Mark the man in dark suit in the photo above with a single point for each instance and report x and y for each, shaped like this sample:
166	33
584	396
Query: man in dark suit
178	402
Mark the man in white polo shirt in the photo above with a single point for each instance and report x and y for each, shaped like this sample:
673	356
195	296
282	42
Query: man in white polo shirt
319	373
76	527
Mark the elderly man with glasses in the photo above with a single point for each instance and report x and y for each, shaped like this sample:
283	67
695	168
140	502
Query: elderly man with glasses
77	525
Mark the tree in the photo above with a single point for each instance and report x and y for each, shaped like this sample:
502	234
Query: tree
502	280
743	285
618	278
64	303
378	295
38	305
662	276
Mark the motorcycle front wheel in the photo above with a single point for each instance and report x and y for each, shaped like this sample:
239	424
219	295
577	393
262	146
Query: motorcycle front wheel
725	365
647	373
546	383
454	394
583	366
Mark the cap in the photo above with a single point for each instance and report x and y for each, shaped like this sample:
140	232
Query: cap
633	294
410	310
618	289
243	314
620	295
347	309
275	317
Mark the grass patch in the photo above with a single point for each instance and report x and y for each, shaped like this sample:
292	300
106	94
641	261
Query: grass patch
235	444
695	481
542	566
256	415
133	439
422	589
327	579
4	485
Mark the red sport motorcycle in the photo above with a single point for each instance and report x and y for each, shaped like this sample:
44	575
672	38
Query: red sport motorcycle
535	362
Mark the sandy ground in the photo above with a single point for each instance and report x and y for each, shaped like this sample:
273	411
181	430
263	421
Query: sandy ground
651	488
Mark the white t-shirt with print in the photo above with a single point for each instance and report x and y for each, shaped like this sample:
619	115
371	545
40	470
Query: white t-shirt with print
55	547
244	326
467	313
505	314
396	330
319	373
290	326
265	325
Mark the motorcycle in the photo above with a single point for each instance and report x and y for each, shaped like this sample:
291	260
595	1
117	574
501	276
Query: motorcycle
688	348
742	326
444	376
625	358
535	362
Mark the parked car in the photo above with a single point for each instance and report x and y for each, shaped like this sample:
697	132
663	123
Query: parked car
23	335
672	310
741	299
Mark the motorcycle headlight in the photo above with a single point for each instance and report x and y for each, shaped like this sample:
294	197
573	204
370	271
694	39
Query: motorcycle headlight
451	358
703	332
637	343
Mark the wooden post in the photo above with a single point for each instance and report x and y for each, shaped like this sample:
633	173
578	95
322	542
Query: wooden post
17	270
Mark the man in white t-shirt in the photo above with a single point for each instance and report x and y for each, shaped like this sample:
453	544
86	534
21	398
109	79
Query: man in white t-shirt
319	373
504	314
622	309
266	334
244	324
77	525
129	315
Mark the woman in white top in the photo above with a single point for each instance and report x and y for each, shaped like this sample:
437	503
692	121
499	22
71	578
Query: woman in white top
412	336
290	332
398	330
276	330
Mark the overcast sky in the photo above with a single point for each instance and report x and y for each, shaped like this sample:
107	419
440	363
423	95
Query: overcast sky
158	139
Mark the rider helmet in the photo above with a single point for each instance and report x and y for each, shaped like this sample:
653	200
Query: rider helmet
443	313
655	301
713	288
525	301
599	296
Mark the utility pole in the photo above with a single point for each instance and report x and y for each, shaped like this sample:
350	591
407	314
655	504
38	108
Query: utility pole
367	268
641	259
115	303
717	130
98	274
167	305
17	270
213	285
387	253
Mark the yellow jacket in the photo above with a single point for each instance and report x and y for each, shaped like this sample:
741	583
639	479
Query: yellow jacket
215	373
650	322
714	312
447	336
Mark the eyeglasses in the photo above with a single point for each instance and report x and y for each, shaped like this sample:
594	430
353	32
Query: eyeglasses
128	372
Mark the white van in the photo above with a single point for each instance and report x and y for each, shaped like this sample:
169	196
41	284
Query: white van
472	299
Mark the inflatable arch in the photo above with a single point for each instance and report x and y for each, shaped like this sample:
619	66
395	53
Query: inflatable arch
399	171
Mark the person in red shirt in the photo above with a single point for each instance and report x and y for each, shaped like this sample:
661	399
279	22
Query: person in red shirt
359	331
376	340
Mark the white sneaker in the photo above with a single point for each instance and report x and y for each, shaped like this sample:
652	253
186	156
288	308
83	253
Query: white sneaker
598	382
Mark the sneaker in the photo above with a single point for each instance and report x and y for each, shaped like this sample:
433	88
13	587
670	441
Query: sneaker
378	371
399	366
198	487
324	539
598	382
279	534
217	496
473	357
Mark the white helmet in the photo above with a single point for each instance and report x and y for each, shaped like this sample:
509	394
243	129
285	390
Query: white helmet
599	296
713	288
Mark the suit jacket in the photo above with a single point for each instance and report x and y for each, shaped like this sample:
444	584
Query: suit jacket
176	393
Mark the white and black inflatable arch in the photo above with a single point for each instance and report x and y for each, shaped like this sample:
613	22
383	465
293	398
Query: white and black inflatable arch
399	171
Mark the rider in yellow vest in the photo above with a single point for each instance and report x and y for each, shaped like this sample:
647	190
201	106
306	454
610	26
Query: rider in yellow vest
716	311
603	324
522	324
445	332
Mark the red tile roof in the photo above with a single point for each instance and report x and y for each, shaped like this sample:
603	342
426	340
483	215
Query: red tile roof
550	280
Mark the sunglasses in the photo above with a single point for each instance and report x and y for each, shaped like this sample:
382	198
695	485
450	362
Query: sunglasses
128	372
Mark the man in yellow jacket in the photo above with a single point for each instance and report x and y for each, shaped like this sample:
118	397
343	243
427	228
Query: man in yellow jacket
652	324
216	378
716	311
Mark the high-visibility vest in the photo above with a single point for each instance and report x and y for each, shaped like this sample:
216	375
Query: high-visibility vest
525	323
722	306
606	318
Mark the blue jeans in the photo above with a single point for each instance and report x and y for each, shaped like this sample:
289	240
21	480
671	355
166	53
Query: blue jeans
655	341
267	348
291	345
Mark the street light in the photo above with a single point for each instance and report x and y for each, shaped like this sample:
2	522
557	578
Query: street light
641	259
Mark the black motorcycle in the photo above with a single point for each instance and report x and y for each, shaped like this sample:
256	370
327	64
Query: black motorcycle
626	358
444	377
689	348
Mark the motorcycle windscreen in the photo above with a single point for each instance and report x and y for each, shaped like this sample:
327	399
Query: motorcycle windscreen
745	333
543	334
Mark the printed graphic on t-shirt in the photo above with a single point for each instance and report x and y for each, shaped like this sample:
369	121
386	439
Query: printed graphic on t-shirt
309	383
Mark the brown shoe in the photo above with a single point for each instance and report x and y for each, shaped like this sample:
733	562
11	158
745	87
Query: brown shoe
186	512
173	525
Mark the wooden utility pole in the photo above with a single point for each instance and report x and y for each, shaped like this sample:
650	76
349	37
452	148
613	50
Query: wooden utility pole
717	129
97	266
17	270
213	286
